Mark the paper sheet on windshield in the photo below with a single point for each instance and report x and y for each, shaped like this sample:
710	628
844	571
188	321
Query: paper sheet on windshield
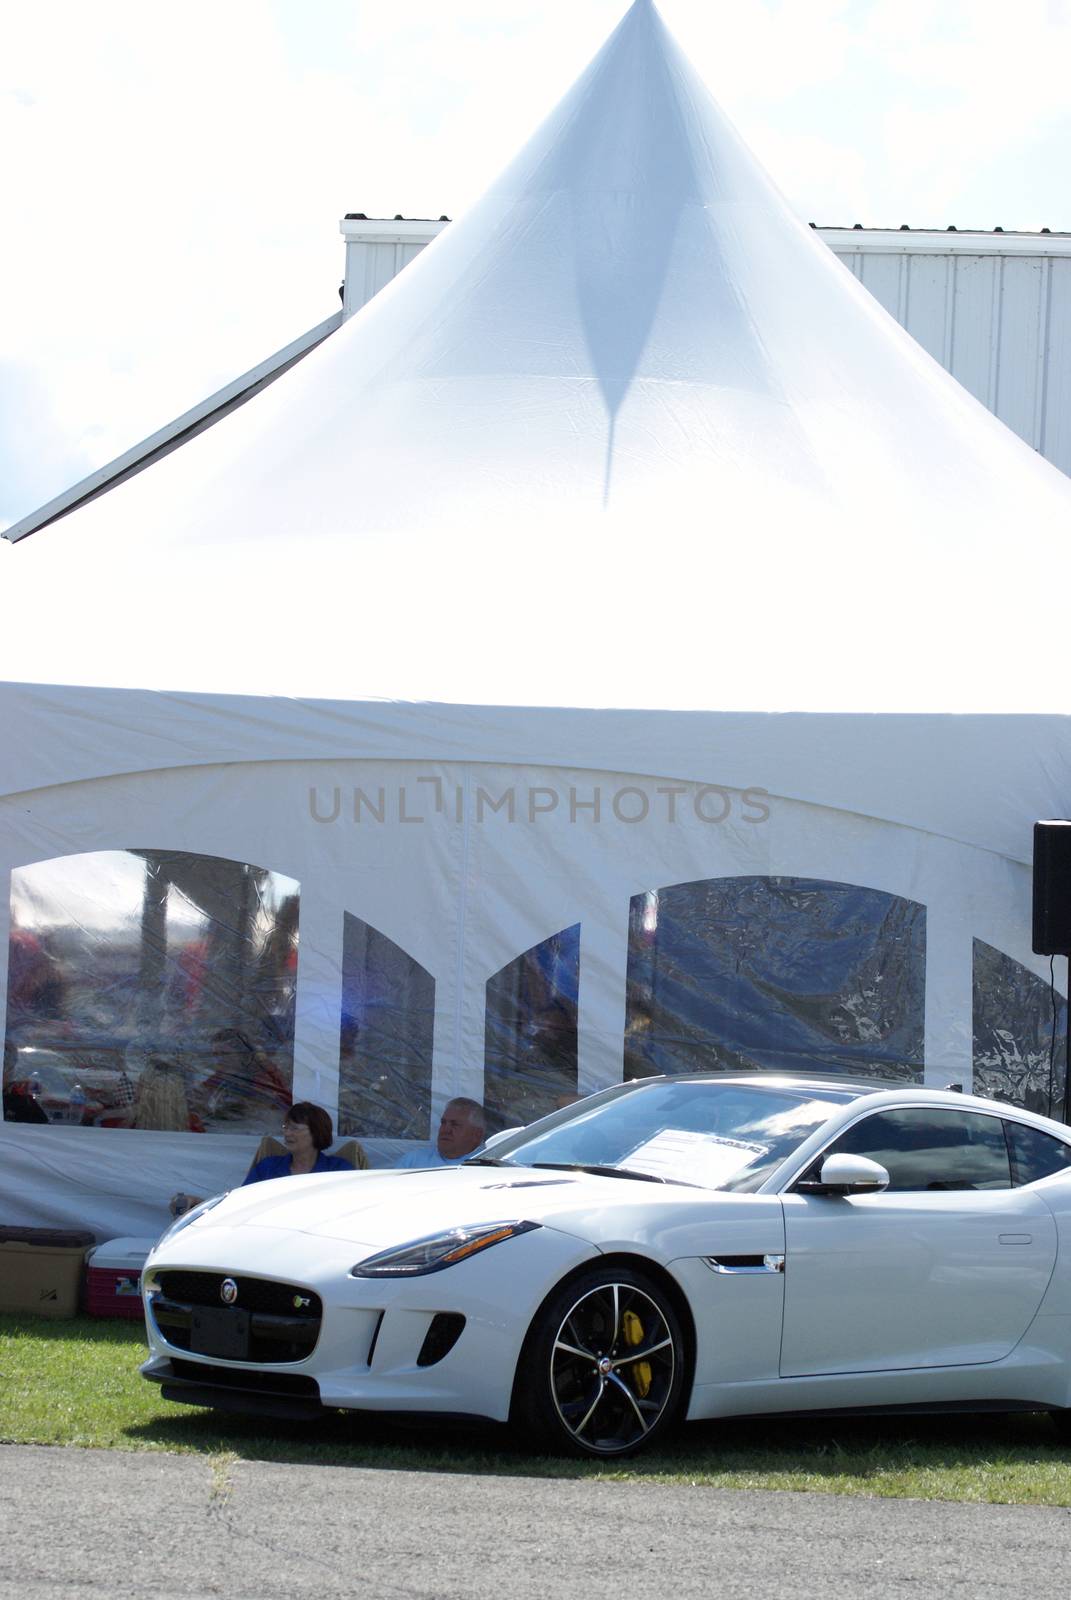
703	1158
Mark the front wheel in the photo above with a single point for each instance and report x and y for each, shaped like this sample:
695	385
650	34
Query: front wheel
602	1370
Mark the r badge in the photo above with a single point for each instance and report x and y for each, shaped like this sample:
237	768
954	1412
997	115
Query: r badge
228	1291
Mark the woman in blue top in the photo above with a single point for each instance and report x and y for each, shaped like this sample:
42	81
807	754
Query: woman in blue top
307	1132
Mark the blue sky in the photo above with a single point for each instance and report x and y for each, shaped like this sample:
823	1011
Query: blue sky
170	213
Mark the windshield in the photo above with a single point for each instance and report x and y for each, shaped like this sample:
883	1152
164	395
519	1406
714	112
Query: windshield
715	1135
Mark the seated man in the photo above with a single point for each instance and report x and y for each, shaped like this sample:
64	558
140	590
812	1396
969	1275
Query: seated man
461	1131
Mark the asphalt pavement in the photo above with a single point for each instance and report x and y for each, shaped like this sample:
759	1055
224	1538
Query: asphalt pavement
93	1522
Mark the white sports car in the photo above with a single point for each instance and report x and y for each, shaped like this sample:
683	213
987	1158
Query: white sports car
696	1246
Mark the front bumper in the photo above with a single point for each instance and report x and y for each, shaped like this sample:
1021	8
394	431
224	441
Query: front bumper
375	1336
261	1393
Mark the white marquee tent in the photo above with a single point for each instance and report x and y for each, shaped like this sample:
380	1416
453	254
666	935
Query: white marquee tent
620	647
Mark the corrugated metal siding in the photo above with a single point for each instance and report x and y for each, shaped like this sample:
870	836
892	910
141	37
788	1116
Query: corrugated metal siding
1001	324
1056	437
378	264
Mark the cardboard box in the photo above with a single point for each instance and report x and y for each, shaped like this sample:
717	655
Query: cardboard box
113	1278
41	1270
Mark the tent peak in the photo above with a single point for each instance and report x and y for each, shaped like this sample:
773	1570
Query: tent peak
626	434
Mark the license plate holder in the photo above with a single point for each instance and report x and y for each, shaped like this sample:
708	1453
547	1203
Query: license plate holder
220	1331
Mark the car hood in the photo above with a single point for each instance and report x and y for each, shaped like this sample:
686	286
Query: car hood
379	1209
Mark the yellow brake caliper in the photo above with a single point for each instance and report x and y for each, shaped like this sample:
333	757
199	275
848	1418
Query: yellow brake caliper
632	1328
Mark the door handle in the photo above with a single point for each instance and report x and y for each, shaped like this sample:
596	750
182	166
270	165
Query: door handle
1015	1238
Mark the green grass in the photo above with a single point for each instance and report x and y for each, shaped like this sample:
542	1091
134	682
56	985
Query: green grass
77	1383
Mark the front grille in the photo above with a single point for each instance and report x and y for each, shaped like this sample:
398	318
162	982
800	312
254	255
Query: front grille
254	1294
267	1322
238	1378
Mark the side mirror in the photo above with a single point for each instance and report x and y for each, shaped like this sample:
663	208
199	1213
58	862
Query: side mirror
847	1174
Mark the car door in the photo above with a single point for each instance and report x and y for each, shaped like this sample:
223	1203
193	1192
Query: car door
946	1267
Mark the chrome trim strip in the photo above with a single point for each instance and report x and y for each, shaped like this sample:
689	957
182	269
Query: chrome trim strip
738	1266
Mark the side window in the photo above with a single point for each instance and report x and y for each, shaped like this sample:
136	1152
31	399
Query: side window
1014	1032
782	973
530	1033
151	989
932	1149
385	1037
1035	1154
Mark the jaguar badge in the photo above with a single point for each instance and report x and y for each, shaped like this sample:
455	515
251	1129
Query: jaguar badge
228	1291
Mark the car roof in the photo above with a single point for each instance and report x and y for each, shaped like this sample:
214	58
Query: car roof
840	1082
855	1086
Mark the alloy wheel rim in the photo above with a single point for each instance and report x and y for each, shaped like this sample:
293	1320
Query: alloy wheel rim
612	1368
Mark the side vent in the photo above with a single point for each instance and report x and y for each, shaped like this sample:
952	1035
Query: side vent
441	1337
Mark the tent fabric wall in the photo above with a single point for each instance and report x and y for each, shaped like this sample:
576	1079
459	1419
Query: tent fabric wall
668	533
463	884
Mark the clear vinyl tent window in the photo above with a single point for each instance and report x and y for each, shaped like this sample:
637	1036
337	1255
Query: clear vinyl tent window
151	989
385	1037
1013	1033
775	972
530	1032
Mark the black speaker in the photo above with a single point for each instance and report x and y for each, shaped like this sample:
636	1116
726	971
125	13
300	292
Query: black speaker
1052	889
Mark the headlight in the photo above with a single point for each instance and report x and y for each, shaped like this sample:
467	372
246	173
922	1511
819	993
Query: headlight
189	1216
438	1250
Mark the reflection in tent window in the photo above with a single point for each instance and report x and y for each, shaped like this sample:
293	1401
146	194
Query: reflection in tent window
385	1042
784	973
1013	1033
150	989
530	1032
